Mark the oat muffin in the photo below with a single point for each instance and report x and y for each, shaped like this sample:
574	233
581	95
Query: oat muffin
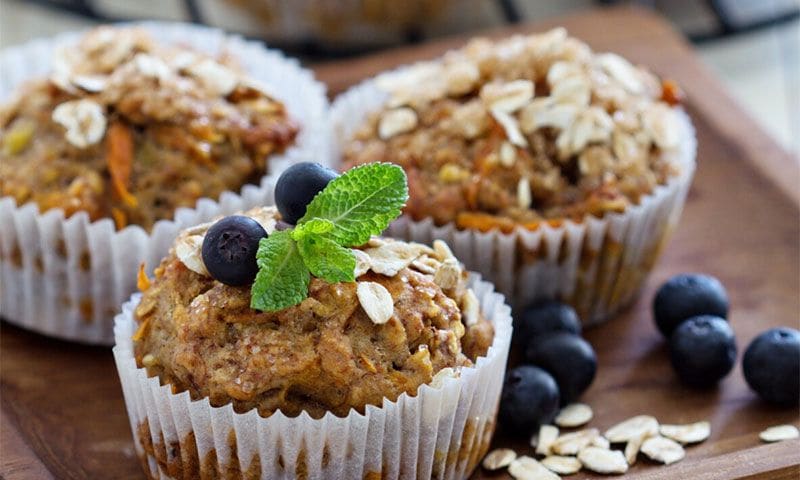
555	171
107	137
130	129
294	342
340	349
520	131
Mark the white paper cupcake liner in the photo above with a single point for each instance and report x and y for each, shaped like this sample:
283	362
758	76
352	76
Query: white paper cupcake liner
597	265
443	432
67	277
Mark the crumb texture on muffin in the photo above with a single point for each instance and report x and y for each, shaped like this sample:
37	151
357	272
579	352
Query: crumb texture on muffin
523	130
129	129
324	354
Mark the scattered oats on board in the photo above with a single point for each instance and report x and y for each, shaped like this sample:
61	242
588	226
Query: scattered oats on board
527	468
574	415
601	460
690	433
601	442
663	450
631	428
779	433
632	448
499	458
572	443
562	465
544	441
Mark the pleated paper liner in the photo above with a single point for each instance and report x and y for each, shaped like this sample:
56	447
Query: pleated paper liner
67	277
598	265
442	432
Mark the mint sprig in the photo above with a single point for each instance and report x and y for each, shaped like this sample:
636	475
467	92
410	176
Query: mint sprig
282	278
353	207
360	203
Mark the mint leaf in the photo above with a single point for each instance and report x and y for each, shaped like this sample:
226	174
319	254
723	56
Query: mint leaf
327	259
282	279
360	203
317	226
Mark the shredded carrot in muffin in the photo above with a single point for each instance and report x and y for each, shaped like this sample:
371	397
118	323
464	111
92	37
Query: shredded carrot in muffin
142	330
120	160
120	219
142	282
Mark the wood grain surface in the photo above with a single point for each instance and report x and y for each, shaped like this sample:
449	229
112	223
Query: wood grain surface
61	407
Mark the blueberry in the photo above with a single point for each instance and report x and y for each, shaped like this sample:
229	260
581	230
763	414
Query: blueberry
546	317
703	350
529	399
229	249
772	366
688	295
569	359
297	186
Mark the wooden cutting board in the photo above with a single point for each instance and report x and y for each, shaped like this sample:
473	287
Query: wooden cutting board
61	407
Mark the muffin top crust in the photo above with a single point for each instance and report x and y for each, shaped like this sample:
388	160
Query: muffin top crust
523	130
409	319
130	129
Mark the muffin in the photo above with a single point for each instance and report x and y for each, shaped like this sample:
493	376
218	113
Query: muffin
397	373
555	171
131	130
129	134
349	26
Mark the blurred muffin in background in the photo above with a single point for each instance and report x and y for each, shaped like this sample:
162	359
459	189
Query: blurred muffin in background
556	171
129	129
111	141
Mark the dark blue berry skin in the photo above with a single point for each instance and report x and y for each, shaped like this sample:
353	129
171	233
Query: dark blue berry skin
568	358
771	366
688	295
545	317
229	249
297	186
703	350
529	399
